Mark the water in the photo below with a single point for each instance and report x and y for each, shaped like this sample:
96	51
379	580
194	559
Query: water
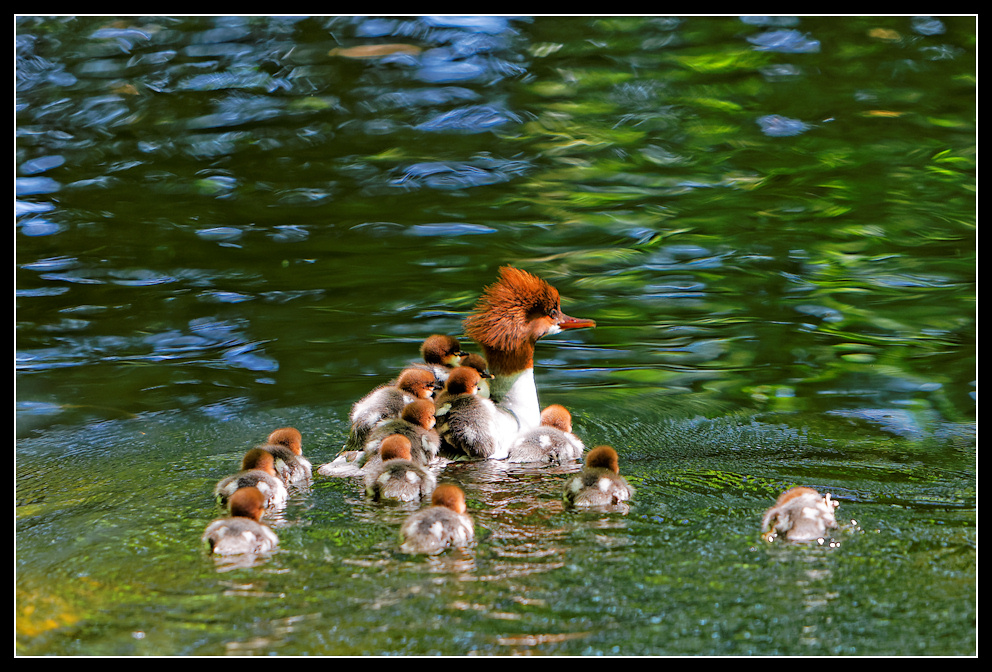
231	224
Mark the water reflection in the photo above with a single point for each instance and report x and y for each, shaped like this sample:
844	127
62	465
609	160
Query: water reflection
453	108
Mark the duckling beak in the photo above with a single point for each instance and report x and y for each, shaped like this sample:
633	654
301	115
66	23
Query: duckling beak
566	322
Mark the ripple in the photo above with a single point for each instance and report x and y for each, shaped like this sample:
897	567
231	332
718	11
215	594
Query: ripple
785	41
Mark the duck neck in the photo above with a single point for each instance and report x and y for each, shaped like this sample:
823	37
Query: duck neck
516	392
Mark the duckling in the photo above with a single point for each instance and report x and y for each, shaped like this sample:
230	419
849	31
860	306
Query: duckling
600	482
397	477
478	363
439	526
475	430
440	353
258	470
286	445
463	380
387	401
802	514
241	532
415	423
552	442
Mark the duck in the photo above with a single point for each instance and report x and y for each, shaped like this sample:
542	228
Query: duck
551	442
242	532
478	363
441	353
463	380
439	526
510	317
801	514
474	430
416	423
599	483
397	477
286	445
387	401
258	470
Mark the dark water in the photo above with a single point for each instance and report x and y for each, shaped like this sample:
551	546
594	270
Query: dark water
231	224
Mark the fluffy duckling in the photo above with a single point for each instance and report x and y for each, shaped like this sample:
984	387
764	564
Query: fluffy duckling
440	354
439	526
463	380
478	363
286	445
801	514
600	482
476	428
441	350
416	423
388	401
397	477
552	442
258	470
242	532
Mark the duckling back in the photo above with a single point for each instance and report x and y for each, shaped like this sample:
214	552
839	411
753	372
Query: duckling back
439	526
241	532
600	482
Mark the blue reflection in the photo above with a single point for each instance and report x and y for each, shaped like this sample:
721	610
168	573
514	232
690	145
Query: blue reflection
29	186
450	175
473	119
777	126
785	41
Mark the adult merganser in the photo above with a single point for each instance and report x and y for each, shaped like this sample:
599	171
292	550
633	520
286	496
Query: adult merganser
242	532
286	445
258	470
509	318
802	514
439	526
417	424
397	476
387	401
600	482
552	442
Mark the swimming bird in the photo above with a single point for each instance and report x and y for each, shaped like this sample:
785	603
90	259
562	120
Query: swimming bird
241	532
599	483
286	445
416	423
801	514
552	442
387	401
509	318
439	526
397	476
258	470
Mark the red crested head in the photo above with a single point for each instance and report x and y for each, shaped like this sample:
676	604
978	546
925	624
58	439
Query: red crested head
512	314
